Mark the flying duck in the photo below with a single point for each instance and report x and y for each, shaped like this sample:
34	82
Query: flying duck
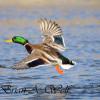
46	52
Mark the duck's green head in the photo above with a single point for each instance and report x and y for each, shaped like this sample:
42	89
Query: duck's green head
18	39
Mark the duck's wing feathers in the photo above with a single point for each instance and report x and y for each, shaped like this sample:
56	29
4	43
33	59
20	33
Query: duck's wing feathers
49	27
30	61
52	32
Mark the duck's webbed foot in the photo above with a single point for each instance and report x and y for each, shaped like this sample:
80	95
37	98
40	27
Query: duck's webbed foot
58	69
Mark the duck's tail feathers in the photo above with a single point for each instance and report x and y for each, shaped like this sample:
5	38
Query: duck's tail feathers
66	63
68	66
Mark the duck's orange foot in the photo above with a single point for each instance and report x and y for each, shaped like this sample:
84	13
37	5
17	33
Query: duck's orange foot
58	69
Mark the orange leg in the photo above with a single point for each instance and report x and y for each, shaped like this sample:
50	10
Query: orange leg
58	69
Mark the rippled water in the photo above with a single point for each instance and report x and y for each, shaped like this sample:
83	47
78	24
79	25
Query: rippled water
81	29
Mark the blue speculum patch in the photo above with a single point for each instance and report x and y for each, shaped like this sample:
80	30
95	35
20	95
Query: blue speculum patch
59	40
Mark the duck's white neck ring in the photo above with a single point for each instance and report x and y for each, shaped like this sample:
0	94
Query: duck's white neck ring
26	44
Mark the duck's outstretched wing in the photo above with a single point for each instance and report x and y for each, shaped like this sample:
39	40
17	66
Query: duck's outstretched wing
31	60
52	34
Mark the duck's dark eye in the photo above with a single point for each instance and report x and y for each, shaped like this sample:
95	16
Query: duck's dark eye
14	38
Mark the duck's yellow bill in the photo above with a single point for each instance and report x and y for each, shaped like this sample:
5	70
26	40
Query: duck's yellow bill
9	41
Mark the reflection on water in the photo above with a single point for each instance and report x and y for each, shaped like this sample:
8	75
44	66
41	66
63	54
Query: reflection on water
81	29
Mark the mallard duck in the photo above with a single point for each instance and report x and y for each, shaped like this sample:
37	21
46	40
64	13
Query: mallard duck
47	52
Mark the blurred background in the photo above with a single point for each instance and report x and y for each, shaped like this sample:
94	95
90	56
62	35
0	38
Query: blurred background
21	14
